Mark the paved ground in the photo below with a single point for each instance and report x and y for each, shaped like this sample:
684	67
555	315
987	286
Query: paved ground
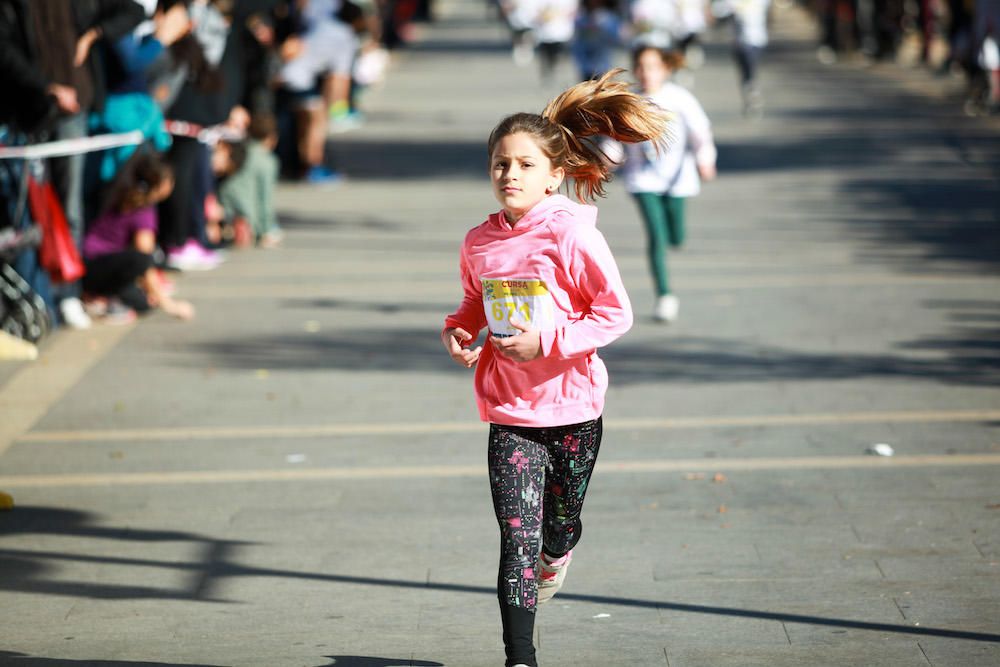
297	479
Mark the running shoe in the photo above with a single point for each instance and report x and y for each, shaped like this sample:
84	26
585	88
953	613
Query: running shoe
322	176
667	307
551	575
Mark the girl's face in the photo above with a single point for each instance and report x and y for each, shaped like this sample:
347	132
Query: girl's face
651	71
522	174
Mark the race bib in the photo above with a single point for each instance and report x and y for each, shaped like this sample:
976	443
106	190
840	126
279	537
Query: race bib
527	300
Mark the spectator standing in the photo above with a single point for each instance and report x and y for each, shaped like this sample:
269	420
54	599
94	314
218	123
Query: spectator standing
70	70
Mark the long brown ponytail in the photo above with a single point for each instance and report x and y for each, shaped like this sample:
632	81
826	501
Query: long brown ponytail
566	129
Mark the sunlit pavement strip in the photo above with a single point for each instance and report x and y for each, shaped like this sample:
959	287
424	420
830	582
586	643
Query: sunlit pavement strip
416	428
424	472
434	286
63	361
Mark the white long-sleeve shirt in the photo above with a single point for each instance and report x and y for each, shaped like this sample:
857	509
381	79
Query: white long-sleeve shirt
674	170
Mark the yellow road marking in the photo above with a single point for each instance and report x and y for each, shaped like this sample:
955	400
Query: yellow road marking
424	428
438	472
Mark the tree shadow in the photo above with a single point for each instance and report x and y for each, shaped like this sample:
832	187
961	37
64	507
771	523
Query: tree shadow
219	565
949	220
969	355
384	308
376	159
360	661
341	222
27	570
14	659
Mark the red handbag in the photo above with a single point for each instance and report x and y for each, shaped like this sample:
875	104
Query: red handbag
58	253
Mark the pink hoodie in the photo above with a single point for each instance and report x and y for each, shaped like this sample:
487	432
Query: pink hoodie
554	270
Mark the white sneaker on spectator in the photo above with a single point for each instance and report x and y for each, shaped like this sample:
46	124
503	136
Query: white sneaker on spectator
73	313
192	257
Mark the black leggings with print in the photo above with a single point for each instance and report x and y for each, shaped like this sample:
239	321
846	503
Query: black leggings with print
538	478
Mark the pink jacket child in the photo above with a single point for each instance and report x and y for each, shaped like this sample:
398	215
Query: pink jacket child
552	271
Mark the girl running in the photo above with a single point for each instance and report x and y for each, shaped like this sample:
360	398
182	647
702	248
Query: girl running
541	277
659	180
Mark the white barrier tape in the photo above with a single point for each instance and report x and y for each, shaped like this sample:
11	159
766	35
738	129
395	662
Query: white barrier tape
71	146
207	135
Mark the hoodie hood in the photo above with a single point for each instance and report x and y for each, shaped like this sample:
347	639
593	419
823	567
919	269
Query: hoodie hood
554	208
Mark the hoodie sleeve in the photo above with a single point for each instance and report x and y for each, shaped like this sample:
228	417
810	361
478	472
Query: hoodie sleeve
470	314
593	271
699	132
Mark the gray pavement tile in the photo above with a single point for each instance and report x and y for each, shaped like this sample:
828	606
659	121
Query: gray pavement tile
962	571
844	655
804	568
958	653
973	609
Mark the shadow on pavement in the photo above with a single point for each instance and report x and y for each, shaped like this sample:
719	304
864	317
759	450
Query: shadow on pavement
966	355
390	159
22	660
359	661
386	308
341	222
217	566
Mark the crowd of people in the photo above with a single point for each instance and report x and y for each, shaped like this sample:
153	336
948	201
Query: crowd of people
591	31
220	99
950	35
227	97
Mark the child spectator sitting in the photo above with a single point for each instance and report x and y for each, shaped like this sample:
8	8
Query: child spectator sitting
226	157
249	192
119	244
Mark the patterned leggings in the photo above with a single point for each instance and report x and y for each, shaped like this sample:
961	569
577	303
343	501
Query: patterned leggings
538	477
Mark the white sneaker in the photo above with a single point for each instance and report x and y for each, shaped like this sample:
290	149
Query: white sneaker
551	574
73	313
667	307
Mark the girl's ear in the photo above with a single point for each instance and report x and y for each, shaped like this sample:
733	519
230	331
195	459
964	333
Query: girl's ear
555	179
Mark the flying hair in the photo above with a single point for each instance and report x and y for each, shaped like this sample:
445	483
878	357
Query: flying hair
567	130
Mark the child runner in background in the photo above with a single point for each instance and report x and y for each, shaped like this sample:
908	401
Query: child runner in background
541	277
598	33
749	39
660	180
553	31
119	244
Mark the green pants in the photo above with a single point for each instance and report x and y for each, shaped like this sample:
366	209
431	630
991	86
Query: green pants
664	218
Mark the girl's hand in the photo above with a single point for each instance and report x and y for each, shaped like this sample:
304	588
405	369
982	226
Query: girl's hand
707	172
525	346
455	341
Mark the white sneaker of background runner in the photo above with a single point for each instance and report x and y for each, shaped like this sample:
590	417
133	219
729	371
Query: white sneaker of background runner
667	307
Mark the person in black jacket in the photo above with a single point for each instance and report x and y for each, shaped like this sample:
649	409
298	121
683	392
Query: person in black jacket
52	76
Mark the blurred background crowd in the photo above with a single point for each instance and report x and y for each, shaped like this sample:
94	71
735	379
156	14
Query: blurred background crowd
208	104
